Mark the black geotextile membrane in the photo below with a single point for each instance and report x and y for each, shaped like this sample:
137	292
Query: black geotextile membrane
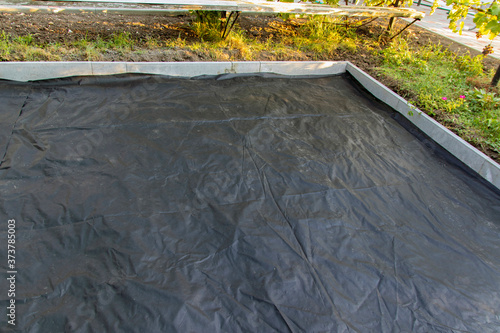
237	204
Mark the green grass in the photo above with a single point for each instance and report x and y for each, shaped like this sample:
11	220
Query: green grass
323	35
24	48
444	84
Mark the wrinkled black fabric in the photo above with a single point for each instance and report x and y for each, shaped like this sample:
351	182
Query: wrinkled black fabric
237	204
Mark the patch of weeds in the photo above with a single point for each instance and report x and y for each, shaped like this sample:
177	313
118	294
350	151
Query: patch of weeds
24	40
324	35
179	42
473	66
399	54
121	41
152	43
238	42
24	48
444	84
5	46
39	54
87	49
207	25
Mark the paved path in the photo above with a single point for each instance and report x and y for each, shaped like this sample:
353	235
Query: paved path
438	23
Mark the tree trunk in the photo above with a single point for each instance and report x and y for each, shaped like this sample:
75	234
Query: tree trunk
494	82
392	20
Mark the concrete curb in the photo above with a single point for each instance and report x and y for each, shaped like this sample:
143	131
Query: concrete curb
32	71
469	155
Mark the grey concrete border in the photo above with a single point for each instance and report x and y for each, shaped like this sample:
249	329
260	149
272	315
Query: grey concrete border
476	160
31	71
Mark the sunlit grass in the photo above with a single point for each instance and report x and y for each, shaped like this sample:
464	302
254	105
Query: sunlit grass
318	39
444	84
24	48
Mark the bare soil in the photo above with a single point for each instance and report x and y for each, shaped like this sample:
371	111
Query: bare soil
64	28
